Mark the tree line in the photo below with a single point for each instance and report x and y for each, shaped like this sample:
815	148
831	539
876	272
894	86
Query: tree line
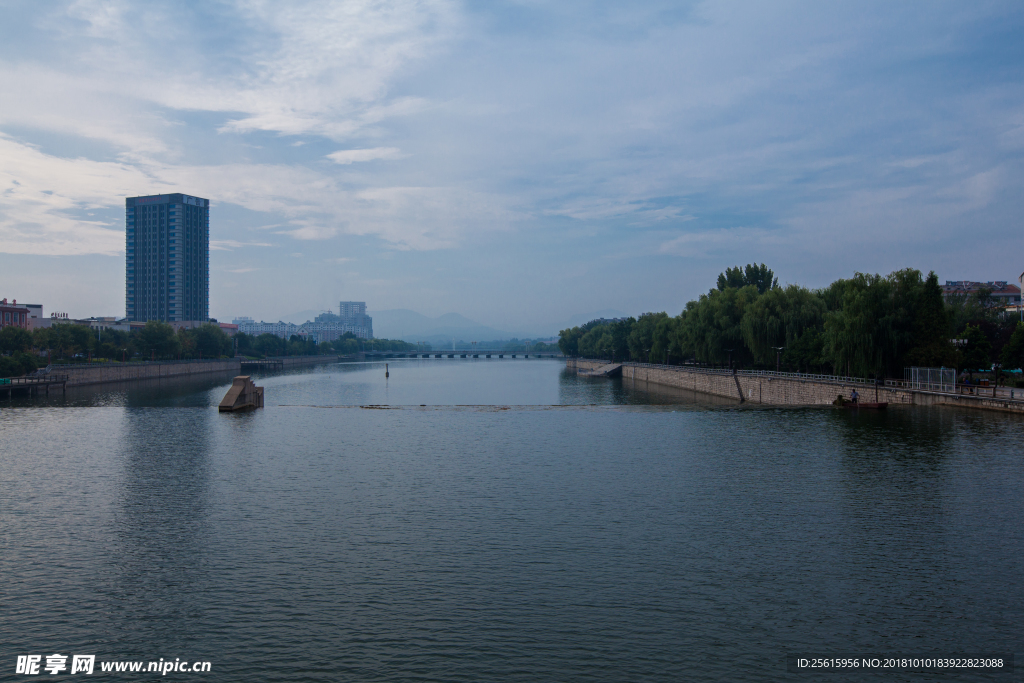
22	351
864	326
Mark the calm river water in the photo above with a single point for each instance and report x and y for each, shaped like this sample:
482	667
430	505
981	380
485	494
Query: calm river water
502	520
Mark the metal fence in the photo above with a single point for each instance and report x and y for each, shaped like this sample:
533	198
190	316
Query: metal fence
930	379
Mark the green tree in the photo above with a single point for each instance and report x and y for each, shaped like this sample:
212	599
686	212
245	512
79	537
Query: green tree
157	340
1012	354
211	341
780	317
759	276
14	339
569	341
9	367
606	340
805	354
641	339
64	340
268	345
977	351
930	343
871	329
244	344
663	346
711	326
111	344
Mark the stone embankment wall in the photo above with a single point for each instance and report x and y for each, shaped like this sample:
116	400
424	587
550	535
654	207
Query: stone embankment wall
762	389
81	375
290	361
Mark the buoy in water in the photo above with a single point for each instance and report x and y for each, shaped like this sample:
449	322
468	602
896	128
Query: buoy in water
386	373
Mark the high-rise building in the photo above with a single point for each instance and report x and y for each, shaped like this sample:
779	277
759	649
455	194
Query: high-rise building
350	309
167	273
354	314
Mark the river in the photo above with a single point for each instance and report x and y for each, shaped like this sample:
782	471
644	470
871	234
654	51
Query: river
479	520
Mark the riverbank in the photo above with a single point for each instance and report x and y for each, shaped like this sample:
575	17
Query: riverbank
790	389
102	373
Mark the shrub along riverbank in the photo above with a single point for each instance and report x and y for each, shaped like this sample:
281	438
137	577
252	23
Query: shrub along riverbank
867	326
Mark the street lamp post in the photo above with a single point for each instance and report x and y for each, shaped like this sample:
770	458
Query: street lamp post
778	357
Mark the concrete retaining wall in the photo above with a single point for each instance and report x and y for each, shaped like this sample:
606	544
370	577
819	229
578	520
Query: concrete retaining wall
129	372
81	375
291	361
760	389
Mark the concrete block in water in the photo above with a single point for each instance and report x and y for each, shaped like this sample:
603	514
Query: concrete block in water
243	395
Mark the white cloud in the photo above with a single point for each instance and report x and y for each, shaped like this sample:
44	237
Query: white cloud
349	156
231	245
817	127
708	242
42	199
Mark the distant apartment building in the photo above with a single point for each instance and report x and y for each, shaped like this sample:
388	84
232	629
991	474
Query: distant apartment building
354	313
167	264
1003	293
351	318
13	315
325	328
280	329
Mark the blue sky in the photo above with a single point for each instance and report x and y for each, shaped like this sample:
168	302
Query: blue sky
517	162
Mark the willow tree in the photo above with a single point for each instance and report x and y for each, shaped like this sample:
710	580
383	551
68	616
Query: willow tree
870	329
641	338
779	318
711	326
607	340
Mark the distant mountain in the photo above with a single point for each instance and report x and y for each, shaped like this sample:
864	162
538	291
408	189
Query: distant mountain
410	326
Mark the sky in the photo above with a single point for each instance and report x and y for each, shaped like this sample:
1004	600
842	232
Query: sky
518	162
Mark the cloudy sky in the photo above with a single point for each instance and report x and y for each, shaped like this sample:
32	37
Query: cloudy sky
519	162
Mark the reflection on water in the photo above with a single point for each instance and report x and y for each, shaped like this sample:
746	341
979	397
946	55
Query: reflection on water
197	391
641	534
161	519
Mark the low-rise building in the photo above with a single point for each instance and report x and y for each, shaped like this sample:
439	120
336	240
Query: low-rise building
1001	291
13	315
280	328
104	323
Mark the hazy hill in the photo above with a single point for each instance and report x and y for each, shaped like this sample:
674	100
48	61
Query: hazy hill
401	323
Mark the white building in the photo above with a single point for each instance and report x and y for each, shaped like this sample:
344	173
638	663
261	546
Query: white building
327	331
280	328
